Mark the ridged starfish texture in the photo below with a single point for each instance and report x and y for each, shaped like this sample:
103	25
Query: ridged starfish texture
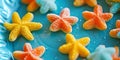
29	53
96	19
62	22
22	26
75	47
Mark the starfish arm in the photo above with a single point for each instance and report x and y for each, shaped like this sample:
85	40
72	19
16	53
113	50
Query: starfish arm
83	51
44	8
84	41
30	56
65	12
72	20
26	1
39	51
106	57
32	6
33	25
98	10
65	48
70	38
26	33
78	2
52	17
9	26
115	7
73	55
27	17
53	6
19	55
66	27
110	51
117	51
16	18
89	24
118	24
88	15
91	3
113	33
27	47
14	33
100	24
107	16
55	26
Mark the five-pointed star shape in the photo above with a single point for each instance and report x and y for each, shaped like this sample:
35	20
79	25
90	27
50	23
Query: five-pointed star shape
91	3
102	53
32	5
22	26
116	55
75	47
29	53
46	5
62	22
96	19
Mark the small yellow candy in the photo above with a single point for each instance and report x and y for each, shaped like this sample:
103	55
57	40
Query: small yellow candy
22	26
75	47
91	3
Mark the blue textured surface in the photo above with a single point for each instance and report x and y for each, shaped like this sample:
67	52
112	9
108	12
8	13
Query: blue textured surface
51	40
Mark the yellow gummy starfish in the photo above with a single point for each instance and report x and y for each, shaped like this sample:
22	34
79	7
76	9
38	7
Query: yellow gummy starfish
91	3
75	47
22	26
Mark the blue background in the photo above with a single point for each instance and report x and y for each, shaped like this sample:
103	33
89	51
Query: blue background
53	40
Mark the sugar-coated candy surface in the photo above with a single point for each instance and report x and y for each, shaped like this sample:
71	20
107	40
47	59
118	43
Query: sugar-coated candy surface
115	5
22	26
28	53
46	5
32	5
102	53
96	19
91	3
115	33
75	47
62	22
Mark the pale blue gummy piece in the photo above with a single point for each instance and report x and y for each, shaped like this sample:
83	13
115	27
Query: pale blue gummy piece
115	7
102	53
46	5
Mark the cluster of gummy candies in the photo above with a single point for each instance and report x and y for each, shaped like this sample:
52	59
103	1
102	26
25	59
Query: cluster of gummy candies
74	47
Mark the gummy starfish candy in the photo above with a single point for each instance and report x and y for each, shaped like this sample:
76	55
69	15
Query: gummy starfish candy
115	5
91	3
32	5
116	55
102	53
46	5
75	47
29	53
115	33
96	19
22	26
62	22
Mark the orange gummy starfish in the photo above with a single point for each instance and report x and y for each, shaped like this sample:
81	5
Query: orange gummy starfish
29	53
32	5
116	55
115	32
96	19
62	22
